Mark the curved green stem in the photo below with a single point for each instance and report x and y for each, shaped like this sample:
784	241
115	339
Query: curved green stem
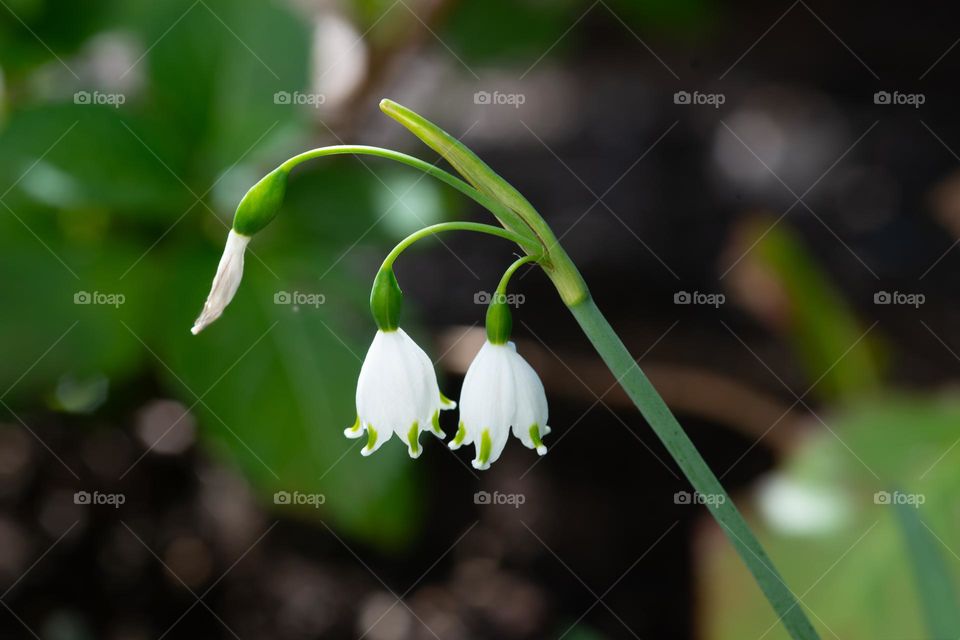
523	217
505	280
499	319
509	218
455	226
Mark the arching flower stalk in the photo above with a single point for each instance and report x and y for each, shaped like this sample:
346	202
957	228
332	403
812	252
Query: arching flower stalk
397	390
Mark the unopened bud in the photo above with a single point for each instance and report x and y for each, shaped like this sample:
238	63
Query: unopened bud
261	203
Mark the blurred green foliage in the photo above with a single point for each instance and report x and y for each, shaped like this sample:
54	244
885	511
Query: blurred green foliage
847	551
855	576
136	200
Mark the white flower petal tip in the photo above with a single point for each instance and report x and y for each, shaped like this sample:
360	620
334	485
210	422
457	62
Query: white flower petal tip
435	426
459	439
225	283
502	394
447	403
356	431
397	391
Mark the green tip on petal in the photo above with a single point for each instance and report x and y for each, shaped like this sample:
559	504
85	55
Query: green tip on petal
537	442
458	439
483	455
435	423
447	402
371	441
413	439
354	431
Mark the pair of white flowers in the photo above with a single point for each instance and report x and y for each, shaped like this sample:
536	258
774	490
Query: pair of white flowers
397	392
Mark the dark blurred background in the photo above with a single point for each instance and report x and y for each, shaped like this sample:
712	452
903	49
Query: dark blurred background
764	197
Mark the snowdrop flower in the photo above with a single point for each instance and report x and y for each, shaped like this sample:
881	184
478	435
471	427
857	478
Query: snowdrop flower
225	283
501	393
397	391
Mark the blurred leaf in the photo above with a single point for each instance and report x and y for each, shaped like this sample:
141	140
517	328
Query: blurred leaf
35	32
827	336
215	67
55	325
855	577
676	17
935	587
524	29
82	156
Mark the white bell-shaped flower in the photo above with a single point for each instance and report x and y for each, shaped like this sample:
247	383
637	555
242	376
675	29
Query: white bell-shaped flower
501	392
397	392
225	283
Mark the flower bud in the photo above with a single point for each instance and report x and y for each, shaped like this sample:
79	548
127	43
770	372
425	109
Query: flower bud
386	299
261	203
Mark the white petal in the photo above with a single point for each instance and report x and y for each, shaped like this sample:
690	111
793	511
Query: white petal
225	283
355	431
438	401
531	408
487	401
397	392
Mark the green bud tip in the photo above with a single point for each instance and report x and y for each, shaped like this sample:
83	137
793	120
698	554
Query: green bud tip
499	320
386	300
261	203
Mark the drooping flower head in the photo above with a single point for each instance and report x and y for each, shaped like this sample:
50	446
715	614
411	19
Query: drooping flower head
397	391
257	208
501	393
